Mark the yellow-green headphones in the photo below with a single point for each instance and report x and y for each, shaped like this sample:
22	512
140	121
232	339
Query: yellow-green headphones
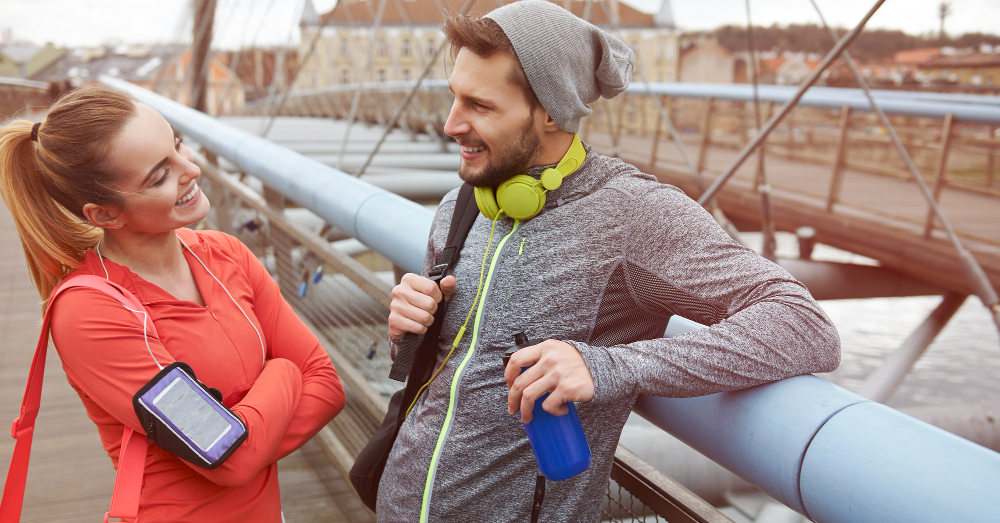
522	196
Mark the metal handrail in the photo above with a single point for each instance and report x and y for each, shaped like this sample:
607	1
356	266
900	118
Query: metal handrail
822	450
966	108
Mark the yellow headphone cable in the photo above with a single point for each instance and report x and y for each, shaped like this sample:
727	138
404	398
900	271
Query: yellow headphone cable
461	331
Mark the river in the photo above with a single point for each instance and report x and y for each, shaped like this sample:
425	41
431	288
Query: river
962	366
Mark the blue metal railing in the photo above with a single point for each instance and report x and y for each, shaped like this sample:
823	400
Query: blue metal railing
820	449
968	108
20	82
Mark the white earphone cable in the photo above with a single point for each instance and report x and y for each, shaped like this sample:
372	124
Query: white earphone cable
263	350
145	315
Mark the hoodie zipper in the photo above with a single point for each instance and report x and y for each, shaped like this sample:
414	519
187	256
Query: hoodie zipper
453	396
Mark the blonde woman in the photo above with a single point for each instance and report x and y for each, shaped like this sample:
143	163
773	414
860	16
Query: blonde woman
103	187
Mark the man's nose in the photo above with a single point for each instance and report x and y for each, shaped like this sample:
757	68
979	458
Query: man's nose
456	124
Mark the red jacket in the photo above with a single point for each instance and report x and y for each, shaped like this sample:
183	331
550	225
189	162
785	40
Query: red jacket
283	404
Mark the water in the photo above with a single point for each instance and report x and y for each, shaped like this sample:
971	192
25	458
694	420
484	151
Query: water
961	366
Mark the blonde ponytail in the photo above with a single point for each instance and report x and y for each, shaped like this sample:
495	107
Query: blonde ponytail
45	183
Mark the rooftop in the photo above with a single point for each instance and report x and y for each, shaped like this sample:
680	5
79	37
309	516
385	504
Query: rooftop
433	12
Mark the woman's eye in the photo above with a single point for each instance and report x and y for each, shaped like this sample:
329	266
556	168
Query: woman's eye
162	179
178	144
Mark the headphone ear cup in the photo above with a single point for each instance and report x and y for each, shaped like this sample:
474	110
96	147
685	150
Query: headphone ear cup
521	197
487	202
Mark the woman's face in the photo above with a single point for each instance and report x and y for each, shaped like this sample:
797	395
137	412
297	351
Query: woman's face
156	176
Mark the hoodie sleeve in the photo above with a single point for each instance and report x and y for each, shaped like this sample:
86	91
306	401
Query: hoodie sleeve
95	337
763	324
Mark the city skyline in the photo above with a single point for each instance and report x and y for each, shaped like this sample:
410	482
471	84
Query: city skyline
239	22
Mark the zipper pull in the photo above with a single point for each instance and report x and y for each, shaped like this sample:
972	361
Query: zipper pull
149	432
210	311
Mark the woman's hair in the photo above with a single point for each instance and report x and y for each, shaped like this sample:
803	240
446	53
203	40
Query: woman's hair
45	182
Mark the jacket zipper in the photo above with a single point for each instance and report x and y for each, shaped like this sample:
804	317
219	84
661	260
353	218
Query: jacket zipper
446	426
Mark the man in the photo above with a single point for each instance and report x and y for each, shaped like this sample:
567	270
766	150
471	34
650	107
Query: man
597	274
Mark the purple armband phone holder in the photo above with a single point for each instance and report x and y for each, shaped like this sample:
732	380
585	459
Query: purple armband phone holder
188	419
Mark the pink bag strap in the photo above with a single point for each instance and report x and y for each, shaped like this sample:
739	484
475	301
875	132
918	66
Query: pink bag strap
132	457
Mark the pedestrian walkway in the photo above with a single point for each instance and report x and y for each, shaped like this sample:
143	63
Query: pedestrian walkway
877	216
70	478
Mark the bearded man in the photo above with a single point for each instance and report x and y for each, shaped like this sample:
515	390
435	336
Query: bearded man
597	270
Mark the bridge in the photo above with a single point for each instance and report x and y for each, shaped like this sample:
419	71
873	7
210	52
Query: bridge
315	191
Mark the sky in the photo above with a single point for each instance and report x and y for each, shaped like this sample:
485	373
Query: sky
92	22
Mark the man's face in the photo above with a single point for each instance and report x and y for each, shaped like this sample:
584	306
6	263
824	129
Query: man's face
491	119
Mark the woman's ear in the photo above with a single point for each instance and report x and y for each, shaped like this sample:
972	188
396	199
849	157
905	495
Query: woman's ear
102	217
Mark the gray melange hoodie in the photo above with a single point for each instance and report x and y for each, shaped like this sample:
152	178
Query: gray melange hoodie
611	257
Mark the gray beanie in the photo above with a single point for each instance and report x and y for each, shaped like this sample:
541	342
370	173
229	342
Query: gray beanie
569	62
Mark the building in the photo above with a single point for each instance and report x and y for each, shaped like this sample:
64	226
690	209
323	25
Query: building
975	69
135	63
27	60
794	69
916	57
262	71
707	61
160	68
225	93
409	34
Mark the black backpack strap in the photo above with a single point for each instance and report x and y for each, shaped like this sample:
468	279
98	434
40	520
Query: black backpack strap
415	358
463	217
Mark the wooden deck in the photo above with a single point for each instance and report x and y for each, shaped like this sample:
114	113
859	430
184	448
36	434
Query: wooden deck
878	216
70	478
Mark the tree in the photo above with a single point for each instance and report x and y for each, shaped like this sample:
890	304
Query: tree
943	11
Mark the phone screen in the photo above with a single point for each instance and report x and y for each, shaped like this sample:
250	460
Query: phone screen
191	414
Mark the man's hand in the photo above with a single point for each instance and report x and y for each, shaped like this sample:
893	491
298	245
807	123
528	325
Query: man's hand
414	302
556	366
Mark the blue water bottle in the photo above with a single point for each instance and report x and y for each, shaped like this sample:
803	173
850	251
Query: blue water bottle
558	442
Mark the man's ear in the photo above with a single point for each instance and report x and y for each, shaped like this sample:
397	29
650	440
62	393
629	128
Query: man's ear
101	216
548	124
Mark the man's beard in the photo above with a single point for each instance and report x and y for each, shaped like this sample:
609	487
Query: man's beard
506	160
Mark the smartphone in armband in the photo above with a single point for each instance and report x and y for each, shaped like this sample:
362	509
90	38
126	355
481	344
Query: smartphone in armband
186	418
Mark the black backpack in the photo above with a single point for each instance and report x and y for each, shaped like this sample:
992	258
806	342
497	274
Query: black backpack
414	361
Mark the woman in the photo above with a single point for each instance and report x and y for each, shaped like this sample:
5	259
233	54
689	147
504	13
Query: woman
103	187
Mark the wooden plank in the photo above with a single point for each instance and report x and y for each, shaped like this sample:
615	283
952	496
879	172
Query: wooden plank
660	492
838	164
706	133
939	174
656	139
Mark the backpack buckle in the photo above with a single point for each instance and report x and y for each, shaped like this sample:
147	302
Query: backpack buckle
437	272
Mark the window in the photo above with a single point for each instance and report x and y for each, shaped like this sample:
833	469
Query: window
406	75
344	76
381	75
430	48
406	47
382	48
343	46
